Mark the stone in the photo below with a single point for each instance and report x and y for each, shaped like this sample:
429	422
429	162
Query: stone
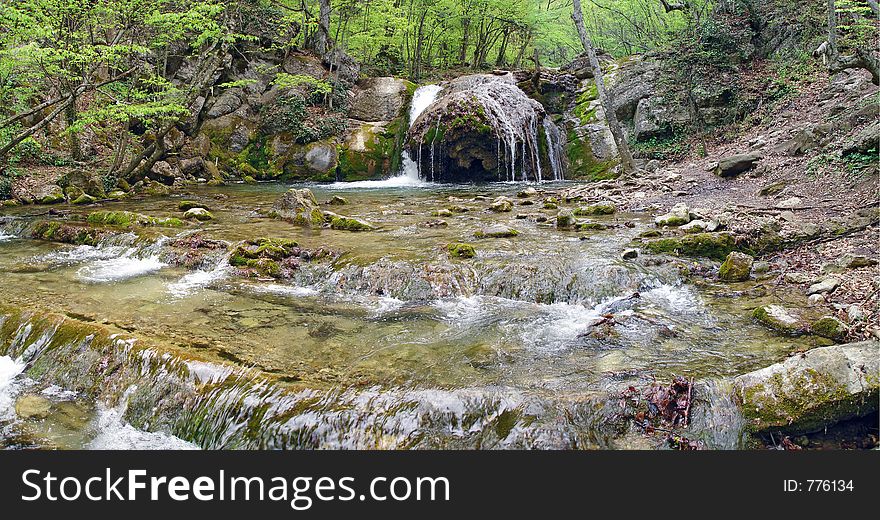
85	198
200	214
630	254
461	250
186	205
379	99
816	299
827	285
496	231
336	200
695	226
790	203
443	213
865	141
501	205
736	268
734	165
50	194
813	390
679	215
710	245
33	407
565	219
344	223
596	209
830	327
797	278
856	261
299	207
855	313
780	319
761	268
528	192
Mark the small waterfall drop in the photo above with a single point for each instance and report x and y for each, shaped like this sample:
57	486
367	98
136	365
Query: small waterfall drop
554	149
422	99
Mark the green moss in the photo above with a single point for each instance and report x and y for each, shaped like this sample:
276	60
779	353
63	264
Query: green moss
590	226
710	245
461	250
596	209
129	219
803	402
85	198
349	224
583	165
582	110
830	327
67	233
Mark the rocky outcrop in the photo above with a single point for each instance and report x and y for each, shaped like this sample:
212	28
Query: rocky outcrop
483	128
734	165
299	207
813	390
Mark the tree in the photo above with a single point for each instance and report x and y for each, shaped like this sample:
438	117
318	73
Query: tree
626	160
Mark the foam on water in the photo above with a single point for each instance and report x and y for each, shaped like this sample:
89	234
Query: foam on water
9	370
115	434
197	280
120	268
283	290
4	237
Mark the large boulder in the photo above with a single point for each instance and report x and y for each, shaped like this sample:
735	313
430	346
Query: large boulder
734	165
299	207
379	99
813	390
483	127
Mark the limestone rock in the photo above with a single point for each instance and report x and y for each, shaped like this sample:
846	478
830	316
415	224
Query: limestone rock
813	390
496	231
299	207
780	319
827	285
679	215
734	165
736	268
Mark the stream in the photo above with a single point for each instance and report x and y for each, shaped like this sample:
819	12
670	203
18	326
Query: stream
388	344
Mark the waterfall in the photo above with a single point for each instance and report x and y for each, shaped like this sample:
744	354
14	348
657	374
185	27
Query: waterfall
554	149
422	99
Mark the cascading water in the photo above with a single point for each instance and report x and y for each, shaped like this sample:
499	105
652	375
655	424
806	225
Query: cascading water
484	127
422	99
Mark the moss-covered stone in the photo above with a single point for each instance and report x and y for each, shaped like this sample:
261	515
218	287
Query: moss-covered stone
780	319
501	205
271	257
200	214
565	219
129	219
68	233
461	250
736	268
186	205
710	245
596	209
83	199
812	391
496	231
679	215
343	223
590	226
830	327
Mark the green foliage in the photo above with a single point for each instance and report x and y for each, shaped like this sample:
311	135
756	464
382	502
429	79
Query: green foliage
671	147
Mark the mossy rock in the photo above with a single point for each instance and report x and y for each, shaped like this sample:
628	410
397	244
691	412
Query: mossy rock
343	223
336	200
596	209
186	205
83	199
736	268
200	214
830	327
709	245
780	319
590	226
811	391
68	233
496	231
129	219
461	250
442	213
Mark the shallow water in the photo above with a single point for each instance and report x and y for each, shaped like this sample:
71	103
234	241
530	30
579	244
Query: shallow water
393	314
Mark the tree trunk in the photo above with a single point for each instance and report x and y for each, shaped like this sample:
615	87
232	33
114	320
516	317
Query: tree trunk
72	137
322	38
832	30
626	160
465	40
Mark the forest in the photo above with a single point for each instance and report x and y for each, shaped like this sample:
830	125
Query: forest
439	224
